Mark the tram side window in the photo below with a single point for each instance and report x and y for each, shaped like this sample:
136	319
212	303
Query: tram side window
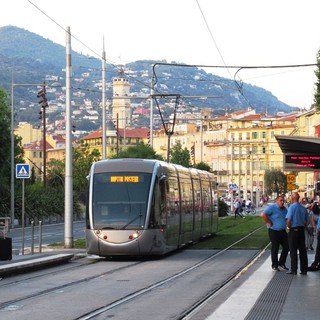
197	198
206	196
186	196
173	197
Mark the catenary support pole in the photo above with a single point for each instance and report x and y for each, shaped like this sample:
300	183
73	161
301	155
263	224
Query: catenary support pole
68	213
104	132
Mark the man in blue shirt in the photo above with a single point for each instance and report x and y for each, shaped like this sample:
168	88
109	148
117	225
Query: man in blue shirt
274	216
315	266
297	220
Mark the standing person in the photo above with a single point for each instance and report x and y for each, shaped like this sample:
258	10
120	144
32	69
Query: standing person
315	266
310	229
274	216
297	221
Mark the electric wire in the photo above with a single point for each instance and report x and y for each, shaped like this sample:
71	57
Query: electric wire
239	83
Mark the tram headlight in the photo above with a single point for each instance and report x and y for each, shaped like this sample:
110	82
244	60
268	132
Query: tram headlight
134	235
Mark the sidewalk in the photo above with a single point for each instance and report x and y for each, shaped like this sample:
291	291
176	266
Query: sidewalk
29	262
269	294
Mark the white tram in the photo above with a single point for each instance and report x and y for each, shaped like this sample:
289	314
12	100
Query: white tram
142	207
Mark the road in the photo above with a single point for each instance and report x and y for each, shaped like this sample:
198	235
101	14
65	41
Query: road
51	233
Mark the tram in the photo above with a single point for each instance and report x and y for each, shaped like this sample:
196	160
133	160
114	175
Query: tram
139	207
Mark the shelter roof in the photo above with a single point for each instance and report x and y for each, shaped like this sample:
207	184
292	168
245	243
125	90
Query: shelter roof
299	144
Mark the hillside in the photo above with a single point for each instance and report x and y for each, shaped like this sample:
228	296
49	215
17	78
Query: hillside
30	58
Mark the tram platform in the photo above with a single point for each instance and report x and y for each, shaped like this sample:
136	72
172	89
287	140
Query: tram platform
29	262
267	294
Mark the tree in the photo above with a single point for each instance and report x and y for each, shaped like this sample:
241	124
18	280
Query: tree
316	98
203	166
5	154
140	151
83	158
181	156
275	182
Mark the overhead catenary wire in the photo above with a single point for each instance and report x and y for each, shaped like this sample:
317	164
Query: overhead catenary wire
238	83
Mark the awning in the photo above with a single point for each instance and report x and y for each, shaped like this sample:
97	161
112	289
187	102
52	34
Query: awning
299	144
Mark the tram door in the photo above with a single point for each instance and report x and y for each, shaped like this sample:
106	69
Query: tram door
186	210
197	207
206	205
173	211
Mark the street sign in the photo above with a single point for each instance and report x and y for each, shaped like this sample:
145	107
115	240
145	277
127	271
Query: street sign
233	186
291	186
22	171
291	178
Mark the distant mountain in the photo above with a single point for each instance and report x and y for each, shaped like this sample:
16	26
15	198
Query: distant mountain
30	58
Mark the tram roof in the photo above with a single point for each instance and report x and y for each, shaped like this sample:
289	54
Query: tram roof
299	144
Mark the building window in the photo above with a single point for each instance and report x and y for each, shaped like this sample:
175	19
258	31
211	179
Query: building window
254	135
263	135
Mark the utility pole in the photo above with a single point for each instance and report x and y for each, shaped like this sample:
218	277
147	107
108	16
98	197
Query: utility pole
44	104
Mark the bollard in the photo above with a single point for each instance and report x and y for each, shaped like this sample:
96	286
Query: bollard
32	237
40	236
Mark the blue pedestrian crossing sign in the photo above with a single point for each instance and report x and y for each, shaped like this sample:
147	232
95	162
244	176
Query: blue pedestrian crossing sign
22	171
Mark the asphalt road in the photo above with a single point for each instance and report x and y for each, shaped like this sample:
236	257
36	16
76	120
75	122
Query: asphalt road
51	233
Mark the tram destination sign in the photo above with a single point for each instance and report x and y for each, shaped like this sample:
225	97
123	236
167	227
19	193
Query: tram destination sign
301	162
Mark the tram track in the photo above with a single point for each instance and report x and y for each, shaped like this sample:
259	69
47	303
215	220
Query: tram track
117	274
187	314
5	304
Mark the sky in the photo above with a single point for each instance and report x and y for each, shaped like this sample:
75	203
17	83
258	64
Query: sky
199	32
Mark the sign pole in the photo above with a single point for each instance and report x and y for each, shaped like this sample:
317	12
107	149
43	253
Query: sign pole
22	218
22	172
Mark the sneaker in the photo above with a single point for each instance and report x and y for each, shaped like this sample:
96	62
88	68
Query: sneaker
275	269
283	267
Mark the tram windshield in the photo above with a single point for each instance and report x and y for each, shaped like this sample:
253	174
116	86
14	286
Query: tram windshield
120	199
